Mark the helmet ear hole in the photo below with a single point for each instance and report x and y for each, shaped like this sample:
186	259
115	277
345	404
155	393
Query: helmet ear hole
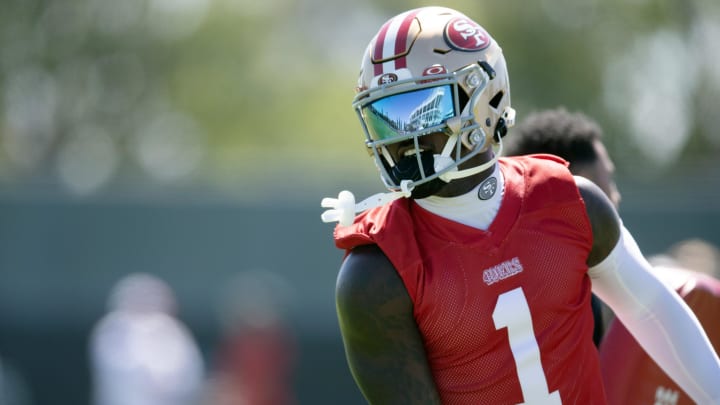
463	98
497	98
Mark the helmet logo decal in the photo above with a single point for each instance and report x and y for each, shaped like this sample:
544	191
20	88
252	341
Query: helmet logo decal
432	71
387	78
392	42
464	34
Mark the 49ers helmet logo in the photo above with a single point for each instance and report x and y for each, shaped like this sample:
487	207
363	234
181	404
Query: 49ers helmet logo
387	78
465	34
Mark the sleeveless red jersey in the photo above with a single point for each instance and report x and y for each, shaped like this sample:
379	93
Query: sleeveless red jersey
630	375
505	313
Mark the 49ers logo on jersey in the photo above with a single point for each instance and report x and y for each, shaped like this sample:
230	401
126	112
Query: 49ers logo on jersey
465	34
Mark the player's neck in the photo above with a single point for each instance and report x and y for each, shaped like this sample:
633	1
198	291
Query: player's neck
477	207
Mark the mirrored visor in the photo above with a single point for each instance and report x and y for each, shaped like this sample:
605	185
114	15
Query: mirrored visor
409	112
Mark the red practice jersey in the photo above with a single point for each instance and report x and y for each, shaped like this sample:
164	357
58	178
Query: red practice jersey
505	313
630	375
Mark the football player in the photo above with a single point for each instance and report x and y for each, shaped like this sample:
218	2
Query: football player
470	281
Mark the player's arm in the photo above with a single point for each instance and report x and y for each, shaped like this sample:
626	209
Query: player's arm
383	345
654	314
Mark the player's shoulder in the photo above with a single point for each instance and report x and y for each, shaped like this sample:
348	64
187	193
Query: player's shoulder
367	278
537	159
604	219
372	225
537	168
543	180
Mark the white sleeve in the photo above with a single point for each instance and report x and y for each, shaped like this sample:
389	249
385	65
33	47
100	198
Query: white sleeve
659	319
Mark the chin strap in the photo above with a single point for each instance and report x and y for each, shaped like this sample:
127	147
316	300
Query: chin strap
343	208
458	174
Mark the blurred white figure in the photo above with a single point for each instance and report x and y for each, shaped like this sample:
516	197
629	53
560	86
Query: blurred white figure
140	353
14	389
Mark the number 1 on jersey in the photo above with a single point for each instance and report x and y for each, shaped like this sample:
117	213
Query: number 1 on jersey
512	312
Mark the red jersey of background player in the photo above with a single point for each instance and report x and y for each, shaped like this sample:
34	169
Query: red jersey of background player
630	375
498	294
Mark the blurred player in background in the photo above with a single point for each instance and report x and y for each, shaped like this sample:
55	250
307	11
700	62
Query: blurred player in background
690	267
630	375
470	281
576	138
255	363
697	254
140	353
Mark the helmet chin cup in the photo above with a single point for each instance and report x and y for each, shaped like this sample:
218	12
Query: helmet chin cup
407	169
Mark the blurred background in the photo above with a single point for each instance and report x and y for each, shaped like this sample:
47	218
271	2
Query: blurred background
192	140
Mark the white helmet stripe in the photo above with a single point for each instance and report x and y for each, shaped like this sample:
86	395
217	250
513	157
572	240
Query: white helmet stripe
392	41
